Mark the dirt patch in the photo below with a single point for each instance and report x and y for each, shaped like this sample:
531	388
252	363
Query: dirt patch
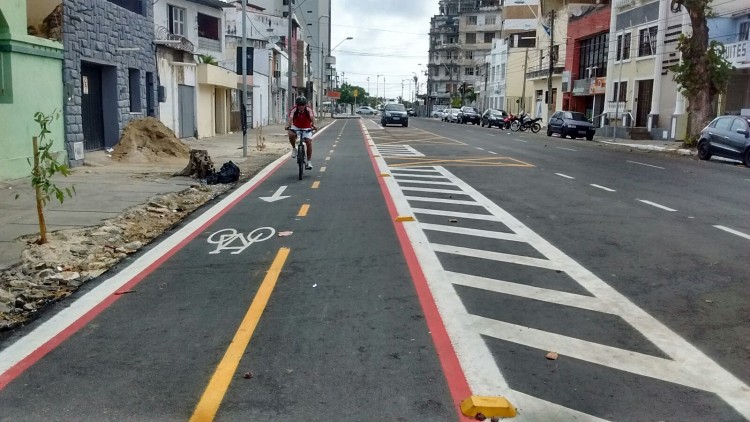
147	140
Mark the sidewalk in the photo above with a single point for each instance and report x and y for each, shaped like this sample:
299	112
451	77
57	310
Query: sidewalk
648	145
105	188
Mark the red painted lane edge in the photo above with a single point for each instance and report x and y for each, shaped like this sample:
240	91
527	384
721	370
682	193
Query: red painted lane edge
454	375
81	322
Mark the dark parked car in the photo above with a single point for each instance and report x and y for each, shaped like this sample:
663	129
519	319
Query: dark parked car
394	114
492	117
570	123
469	114
728	137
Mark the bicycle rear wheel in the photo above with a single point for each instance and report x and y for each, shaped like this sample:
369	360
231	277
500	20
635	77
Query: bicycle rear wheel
301	158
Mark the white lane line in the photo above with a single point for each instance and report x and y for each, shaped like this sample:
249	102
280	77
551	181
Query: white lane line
424	182
492	152
519	140
441	200
471	232
433	190
496	256
644	164
328	158
738	233
420	176
612	357
400	169
565	176
323	169
471	216
567	149
603	188
654	204
481	149
530	292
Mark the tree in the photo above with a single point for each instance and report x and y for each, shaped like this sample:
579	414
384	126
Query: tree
703	72
347	94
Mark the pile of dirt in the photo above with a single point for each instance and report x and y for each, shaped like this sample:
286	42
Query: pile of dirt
147	140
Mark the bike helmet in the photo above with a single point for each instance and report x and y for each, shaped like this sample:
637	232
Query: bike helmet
301	101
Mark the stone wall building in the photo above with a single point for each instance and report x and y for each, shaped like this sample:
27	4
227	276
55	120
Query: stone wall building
109	70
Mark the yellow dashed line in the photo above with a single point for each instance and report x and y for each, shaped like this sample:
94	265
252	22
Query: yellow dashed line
303	210
316	184
212	397
322	169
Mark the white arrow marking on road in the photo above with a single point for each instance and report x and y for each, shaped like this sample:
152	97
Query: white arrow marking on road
276	195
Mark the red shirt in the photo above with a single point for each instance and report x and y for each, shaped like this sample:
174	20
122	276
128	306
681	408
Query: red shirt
301	117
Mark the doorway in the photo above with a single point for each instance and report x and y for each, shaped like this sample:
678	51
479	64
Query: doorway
92	110
186	95
643	102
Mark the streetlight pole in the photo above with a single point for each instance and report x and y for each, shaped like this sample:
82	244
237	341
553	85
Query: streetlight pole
329	54
377	85
290	67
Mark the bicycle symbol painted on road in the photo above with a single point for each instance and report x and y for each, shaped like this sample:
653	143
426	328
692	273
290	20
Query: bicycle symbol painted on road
230	239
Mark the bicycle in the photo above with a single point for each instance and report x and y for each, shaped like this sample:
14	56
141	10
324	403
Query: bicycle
301	156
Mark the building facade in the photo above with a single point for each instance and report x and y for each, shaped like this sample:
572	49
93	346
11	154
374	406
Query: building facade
109	72
30	80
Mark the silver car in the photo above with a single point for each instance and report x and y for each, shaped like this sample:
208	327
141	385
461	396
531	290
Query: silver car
451	115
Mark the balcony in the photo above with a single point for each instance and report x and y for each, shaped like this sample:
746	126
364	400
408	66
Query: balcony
543	72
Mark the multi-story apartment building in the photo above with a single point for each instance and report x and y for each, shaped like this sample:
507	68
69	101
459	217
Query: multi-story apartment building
197	93
460	38
731	27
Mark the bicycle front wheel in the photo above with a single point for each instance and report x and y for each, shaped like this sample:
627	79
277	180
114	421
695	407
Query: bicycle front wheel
301	159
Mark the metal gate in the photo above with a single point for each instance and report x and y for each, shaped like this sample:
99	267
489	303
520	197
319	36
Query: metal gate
92	110
186	95
645	90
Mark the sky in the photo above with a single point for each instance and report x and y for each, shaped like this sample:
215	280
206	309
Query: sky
390	38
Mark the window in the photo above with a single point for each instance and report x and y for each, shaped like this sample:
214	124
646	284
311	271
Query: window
469	71
593	56
489	20
723	123
134	76
208	27
132	5
471	20
451	40
449	55
471	38
176	20
647	42
744	34
6	87
488	37
738	124
623	47
620	92
469	54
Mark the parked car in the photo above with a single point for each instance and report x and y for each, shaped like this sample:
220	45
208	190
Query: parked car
394	114
570	123
728	137
366	110
437	113
451	115
469	115
411	112
492	117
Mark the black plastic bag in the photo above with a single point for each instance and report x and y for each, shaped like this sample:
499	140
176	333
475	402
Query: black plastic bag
229	173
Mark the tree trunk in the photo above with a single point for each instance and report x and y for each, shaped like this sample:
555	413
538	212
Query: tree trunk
700	103
199	166
38	192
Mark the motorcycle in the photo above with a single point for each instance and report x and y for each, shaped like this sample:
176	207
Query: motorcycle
529	123
513	122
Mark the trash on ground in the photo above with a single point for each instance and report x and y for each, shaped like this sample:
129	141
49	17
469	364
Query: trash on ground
229	173
285	234
551	356
248	375
315	285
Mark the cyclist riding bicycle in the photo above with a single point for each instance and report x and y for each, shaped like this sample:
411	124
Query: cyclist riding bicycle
301	117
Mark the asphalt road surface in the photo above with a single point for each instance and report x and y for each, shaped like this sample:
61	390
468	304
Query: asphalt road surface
411	268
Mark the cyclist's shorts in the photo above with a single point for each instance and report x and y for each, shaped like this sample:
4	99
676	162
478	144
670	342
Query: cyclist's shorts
305	135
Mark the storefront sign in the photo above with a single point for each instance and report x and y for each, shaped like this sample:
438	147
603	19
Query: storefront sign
593	86
738	54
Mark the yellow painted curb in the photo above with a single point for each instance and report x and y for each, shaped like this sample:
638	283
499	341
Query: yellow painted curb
401	218
489	406
385	175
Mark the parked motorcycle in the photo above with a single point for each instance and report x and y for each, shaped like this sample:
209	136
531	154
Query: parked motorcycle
526	122
513	122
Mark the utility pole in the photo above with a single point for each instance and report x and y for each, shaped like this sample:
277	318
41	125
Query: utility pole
244	78
290	67
551	62
486	77
523	90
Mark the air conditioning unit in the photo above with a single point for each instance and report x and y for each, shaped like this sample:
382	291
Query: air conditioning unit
276	73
